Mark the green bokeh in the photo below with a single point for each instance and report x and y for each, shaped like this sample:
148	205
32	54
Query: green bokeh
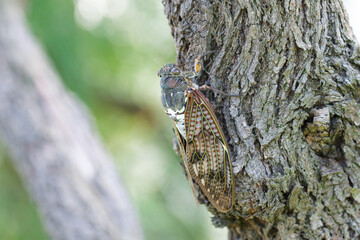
18	218
110	62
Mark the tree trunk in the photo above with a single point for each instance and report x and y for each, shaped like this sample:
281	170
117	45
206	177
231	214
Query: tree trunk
294	133
55	149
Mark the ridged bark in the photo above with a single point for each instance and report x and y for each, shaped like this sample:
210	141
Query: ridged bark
294	132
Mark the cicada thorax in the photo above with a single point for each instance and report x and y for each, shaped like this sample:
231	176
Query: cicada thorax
173	95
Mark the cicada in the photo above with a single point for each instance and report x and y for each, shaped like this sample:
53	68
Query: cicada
201	140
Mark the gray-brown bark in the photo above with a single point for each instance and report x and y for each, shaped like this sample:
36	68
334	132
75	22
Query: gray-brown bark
55	148
294	134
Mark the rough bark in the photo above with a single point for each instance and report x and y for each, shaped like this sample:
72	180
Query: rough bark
294	133
54	146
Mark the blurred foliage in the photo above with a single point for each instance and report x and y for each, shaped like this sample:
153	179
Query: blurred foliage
18	218
108	53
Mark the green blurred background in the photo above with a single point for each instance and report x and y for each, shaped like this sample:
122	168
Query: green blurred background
108	53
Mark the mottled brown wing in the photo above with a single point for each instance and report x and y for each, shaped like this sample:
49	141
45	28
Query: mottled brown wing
207	154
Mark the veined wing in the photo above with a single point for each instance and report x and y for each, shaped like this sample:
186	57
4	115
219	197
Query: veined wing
207	154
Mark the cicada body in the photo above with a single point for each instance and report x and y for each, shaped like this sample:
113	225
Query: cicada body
202	144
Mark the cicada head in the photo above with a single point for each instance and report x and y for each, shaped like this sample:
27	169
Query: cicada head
169	69
173	90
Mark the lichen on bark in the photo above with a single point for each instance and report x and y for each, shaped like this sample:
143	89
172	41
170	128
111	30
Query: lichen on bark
294	133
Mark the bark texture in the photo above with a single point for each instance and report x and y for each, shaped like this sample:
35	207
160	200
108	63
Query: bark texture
294	134
54	146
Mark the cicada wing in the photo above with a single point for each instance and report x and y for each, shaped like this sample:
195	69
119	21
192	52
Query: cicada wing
207	153
181	142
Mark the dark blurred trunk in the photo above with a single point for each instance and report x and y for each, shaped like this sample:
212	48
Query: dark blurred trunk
54	146
294	134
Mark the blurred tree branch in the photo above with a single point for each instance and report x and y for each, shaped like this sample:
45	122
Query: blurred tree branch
294	133
55	148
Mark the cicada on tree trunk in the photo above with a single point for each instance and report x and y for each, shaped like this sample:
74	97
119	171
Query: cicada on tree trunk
201	140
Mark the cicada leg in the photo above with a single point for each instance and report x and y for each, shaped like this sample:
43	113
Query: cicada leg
197	63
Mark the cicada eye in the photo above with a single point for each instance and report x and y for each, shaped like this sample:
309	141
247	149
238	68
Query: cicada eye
175	71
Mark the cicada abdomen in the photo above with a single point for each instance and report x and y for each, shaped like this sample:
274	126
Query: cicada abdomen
202	144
